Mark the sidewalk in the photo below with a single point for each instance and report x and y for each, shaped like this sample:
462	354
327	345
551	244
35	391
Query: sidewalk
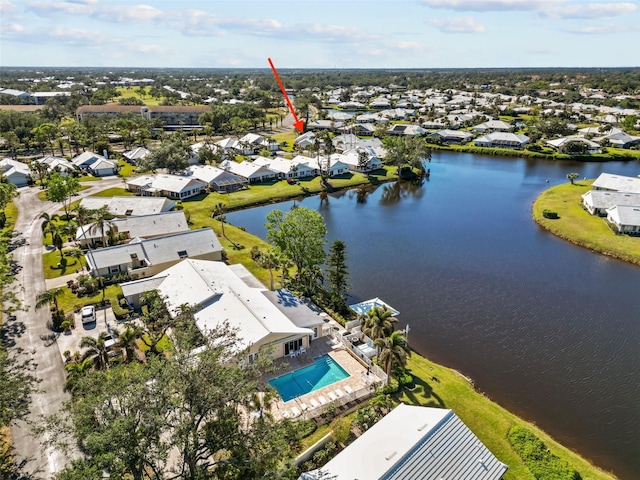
60	281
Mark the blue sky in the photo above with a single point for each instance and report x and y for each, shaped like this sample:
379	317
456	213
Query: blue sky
321	34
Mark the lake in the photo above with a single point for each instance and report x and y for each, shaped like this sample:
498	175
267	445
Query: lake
549	330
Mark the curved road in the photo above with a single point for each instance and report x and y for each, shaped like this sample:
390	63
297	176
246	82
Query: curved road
27	335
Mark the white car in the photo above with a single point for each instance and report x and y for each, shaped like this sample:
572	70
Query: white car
88	314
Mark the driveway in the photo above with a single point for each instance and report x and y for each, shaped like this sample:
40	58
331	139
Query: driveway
27	336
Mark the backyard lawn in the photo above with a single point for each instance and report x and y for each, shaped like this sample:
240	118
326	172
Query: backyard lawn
577	226
113	192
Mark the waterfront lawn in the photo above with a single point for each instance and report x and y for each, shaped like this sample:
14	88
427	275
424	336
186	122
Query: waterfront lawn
438	386
578	226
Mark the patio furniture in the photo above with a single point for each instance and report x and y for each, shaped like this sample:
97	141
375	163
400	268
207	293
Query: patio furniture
294	412
339	393
292	354
322	400
314	403
331	396
348	389
303	406
302	350
285	414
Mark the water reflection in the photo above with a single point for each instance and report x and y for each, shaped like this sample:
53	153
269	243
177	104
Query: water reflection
402	189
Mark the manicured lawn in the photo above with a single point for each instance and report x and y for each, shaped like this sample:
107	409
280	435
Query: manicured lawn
133	92
113	192
51	261
578	226
126	169
287	137
42	194
69	301
439	386
89	178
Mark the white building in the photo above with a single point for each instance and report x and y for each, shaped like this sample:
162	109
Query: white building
15	172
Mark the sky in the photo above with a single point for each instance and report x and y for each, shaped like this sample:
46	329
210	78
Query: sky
320	33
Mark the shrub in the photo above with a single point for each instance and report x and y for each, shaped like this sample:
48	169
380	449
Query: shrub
538	458
341	429
549	214
305	428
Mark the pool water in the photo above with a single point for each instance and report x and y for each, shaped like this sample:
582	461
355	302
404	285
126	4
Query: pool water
324	371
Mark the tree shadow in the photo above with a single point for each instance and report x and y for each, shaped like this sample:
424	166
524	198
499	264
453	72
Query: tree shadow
422	394
63	266
11	330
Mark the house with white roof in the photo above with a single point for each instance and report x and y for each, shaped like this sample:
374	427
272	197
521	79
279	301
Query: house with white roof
305	140
334	164
164	185
122	206
616	183
361	159
626	218
561	144
501	140
231	146
148	257
324	125
296	168
618	140
255	143
142	226
404	129
417	443
452	136
57	164
95	164
493	126
15	172
137	154
598	201
218	179
252	172
227	296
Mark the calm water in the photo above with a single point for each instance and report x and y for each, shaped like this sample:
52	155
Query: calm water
549	330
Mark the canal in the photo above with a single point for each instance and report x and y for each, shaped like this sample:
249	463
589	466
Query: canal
549	330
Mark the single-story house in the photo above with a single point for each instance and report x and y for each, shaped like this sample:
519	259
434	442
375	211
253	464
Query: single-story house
324	125
599	131
143	226
561	143
57	164
452	136
420	443
619	140
15	172
404	129
252	172
361	159
286	168
493	126
305	140
225	295
102	167
255	143
137	154
148	257
380	102
502	140
598	201
121	206
626	218
372	118
165	185
335	167
231	146
617	183
218	179
435	124
365	129
397	113
85	159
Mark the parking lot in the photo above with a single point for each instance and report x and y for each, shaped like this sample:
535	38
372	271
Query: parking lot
105	322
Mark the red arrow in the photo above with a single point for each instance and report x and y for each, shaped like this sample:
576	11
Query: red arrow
298	124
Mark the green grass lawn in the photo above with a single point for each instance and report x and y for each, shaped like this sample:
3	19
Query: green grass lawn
578	226
439	386
126	169
42	194
113	192
163	345
69	301
88	178
68	266
288	137
134	93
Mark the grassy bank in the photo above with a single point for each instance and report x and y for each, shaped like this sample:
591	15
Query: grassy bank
579	227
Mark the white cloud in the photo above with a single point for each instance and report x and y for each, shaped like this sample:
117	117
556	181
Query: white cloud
7	8
606	29
489	5
457	25
590	10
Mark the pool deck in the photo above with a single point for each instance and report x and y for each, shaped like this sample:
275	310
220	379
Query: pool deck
313	403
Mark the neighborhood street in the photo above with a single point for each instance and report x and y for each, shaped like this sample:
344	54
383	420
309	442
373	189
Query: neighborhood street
27	336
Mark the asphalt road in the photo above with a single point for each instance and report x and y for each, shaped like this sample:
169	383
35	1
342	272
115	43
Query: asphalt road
27	335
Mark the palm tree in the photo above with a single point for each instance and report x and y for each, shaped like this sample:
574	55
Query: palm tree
379	323
75	371
393	352
101	218
83	215
96	349
127	342
218	213
49	222
572	176
49	297
269	260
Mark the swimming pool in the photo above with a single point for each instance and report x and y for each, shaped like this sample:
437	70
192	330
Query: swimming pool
324	371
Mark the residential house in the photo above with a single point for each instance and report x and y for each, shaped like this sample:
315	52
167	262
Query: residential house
145	258
228	296
305	140
255	143
501	140
287	168
493	126
15	172
452	136
135	155
231	147
420	443
333	165
598	201
618	140
562	143
397	113
122	206
324	125
95	164
252	172
372	118
361	159
404	129
626	218
218	179
57	164
143	226
380	102
617	183
365	129
164	185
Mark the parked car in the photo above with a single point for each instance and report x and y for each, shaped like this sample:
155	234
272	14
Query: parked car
110	342
88	314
